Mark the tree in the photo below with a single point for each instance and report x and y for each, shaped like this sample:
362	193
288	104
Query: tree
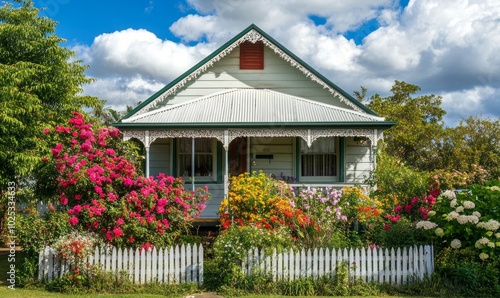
419	124
473	142
40	85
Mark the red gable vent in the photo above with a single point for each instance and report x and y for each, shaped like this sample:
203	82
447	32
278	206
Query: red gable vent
252	55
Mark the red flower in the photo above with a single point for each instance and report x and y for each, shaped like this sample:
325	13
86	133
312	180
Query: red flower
73	221
387	227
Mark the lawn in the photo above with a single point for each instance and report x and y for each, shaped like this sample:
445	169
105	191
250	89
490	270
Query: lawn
29	293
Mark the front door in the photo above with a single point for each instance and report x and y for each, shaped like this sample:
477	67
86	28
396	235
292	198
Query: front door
238	156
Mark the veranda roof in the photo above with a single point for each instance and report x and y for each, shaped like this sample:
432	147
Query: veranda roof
252	106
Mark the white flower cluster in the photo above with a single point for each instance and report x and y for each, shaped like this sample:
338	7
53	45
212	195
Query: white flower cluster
449	194
463	219
452	215
475	213
490	225
456	244
482	242
453	203
426	225
495	188
439	232
469	205
497	235
483	256
460	209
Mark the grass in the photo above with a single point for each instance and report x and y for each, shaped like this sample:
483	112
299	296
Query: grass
32	293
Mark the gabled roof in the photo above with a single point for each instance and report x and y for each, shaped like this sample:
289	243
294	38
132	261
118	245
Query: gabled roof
252	34
249	105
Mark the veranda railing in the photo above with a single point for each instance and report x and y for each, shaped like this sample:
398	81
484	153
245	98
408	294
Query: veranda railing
177	264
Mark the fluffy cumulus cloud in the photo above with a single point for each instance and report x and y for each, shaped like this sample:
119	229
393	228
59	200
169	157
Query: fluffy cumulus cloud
447	47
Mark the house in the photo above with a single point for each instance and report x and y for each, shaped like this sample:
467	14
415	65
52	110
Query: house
252	105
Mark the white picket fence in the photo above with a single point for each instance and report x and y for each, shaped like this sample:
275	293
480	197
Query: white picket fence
394	266
177	264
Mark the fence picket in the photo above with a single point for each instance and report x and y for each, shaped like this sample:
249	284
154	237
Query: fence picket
363	263
405	266
161	265
327	261
321	260
279	272
369	261
387	269
183	264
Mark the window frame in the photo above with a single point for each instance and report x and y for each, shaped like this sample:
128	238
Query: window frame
300	154
213	152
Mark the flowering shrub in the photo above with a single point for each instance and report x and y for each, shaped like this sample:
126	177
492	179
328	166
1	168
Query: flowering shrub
467	219
253	199
313	217
103	193
75	247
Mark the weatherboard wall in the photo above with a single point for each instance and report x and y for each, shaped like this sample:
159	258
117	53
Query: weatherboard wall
159	157
358	161
281	151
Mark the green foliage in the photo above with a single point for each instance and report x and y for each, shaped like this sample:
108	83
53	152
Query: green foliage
463	275
419	124
94	280
40	86
34	232
395	181
473	143
398	234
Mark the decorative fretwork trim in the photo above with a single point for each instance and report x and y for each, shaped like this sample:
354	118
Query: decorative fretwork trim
252	36
226	136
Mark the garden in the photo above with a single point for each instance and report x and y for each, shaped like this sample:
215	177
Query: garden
103	200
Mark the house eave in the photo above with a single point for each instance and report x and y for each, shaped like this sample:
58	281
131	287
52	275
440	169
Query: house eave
152	126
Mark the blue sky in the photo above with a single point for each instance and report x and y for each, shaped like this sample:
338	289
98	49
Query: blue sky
447	47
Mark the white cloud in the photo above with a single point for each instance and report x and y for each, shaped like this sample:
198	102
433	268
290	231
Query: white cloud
122	91
447	47
131	52
478	101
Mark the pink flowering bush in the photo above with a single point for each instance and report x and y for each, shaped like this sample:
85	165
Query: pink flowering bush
103	193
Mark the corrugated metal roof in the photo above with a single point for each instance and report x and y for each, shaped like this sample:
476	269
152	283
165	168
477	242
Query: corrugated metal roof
251	106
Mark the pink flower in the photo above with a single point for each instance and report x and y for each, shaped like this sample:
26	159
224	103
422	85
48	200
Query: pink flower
398	209
46	131
45	159
78	197
77	209
63	200
147	246
387	227
120	221
57	149
110	152
73	221
131	239
108	235
161	202
118	232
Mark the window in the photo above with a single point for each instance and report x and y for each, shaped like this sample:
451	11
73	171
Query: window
252	55
203	157
319	160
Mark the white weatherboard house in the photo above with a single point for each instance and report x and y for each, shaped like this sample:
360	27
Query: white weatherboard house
252	105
